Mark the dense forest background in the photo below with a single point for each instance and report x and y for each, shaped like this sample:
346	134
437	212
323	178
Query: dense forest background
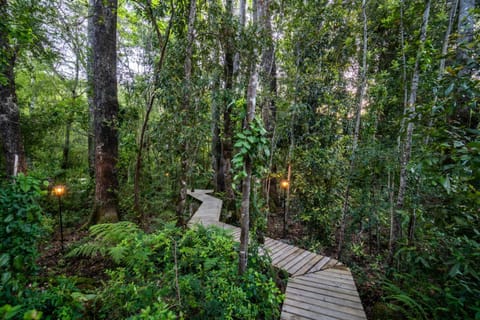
367	109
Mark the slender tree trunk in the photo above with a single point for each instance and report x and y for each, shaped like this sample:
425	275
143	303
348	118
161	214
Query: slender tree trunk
106	110
216	147
361	88
90	89
185	152
269	80
10	132
407	149
441	69
68	126
248	162
163	40
227	136
404	77
466	23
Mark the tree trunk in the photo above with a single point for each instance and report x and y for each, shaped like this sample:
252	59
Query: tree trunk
441	69
105	110
269	80
11	136
248	163
407	149
361	88
151	100
466	23
90	89
227	136
216	146
185	112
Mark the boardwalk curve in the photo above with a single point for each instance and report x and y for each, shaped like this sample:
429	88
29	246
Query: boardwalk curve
318	287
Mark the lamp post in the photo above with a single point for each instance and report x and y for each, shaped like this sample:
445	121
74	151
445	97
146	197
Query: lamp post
59	191
284	184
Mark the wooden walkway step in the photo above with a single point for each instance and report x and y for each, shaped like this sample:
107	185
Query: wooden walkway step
318	288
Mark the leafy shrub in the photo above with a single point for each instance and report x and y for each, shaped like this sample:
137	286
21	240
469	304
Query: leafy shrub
444	285
21	227
195	272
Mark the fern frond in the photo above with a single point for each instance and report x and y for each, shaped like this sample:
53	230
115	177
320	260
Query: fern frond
114	232
107	240
117	253
89	250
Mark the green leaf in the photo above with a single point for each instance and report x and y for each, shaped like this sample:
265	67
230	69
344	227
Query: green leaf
445	181
8	218
4	259
454	270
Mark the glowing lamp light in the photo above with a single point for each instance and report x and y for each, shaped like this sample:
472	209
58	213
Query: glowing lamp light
58	190
284	184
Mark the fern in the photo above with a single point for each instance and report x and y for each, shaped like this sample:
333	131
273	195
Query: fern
114	233
108	240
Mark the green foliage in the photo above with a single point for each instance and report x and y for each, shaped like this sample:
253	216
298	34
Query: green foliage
252	143
195	273
60	299
21	227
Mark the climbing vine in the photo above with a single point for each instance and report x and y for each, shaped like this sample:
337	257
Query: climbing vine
253	143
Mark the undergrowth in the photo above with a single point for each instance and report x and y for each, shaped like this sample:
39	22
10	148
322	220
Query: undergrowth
173	273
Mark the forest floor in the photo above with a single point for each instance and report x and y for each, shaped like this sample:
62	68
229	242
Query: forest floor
52	261
91	272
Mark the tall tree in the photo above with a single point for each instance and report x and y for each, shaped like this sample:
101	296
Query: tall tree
186	110
361	88
248	161
227	133
406	151
11	135
163	42
105	101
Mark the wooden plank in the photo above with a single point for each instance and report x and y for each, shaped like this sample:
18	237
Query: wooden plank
290	316
281	250
303	314
277	244
325	302
324	275
280	255
340	270
277	250
292	256
311	310
297	261
332	282
335	276
309	265
326	295
320	264
308	258
327	292
306	284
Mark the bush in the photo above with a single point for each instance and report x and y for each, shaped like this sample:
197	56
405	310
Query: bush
21	227
194	272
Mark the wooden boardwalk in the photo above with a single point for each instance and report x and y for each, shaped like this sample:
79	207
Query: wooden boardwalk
318	287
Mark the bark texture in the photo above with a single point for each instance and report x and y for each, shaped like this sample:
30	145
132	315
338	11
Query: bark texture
227	134
11	135
105	110
248	162
186	111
